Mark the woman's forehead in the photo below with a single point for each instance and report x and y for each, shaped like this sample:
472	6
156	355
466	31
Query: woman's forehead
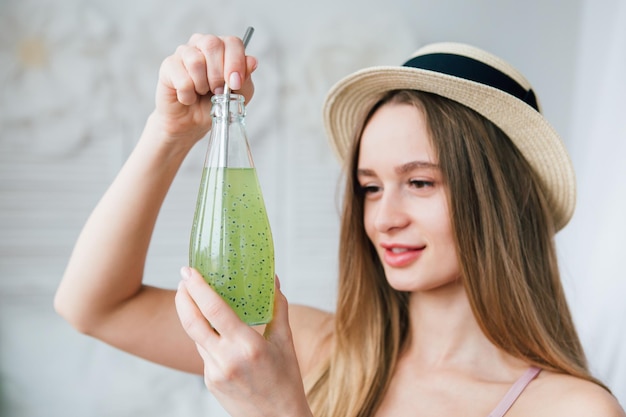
396	133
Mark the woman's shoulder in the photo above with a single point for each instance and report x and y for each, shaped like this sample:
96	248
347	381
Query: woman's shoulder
555	395
312	329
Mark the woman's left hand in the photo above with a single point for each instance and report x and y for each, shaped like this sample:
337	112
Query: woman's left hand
250	374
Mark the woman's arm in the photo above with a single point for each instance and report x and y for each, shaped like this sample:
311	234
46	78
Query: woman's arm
101	292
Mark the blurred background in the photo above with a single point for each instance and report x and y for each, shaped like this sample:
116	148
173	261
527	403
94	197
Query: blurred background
77	82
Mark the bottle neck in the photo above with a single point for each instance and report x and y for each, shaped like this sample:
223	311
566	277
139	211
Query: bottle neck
231	108
228	143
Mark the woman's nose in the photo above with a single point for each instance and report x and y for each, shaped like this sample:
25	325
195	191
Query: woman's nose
390	212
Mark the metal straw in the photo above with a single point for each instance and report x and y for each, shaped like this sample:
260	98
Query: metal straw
245	39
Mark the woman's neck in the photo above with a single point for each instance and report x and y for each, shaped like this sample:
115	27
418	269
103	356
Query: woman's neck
445	335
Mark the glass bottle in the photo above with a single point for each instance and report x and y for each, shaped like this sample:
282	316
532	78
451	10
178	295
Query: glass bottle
231	241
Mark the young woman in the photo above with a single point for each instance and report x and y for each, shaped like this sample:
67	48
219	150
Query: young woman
449	301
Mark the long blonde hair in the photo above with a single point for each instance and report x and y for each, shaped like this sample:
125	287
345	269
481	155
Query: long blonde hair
504	236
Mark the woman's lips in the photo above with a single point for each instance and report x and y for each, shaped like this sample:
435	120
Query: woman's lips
400	256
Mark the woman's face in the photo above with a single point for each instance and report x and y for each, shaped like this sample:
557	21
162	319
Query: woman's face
406	212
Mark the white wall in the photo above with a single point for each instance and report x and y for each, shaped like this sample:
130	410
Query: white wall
592	246
77	83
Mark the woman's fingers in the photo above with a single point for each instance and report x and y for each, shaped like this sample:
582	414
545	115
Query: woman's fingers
203	65
235	69
212	48
209	304
196	65
178	84
225	60
205	315
192	319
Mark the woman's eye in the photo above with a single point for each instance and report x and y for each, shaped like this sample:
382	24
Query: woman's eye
369	189
422	183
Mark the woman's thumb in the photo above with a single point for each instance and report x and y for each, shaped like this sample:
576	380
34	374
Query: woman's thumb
278	328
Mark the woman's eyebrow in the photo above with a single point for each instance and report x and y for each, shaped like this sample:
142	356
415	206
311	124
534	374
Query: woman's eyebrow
401	169
410	166
364	172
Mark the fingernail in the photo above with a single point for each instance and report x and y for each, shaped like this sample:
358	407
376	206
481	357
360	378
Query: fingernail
219	90
277	281
185	272
234	81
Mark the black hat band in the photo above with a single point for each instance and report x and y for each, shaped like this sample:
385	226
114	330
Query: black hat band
473	70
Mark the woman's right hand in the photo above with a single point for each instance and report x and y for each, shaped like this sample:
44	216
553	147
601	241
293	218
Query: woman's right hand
191	76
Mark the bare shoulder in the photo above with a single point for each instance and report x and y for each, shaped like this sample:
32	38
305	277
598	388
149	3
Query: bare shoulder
309	317
312	329
556	395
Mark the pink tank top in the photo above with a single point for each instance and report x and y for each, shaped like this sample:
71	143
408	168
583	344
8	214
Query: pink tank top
514	392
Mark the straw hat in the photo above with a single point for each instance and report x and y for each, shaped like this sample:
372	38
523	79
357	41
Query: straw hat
480	81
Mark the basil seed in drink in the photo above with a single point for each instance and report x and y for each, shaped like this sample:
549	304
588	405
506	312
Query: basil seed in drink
231	244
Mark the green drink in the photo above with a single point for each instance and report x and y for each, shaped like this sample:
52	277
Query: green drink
231	242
